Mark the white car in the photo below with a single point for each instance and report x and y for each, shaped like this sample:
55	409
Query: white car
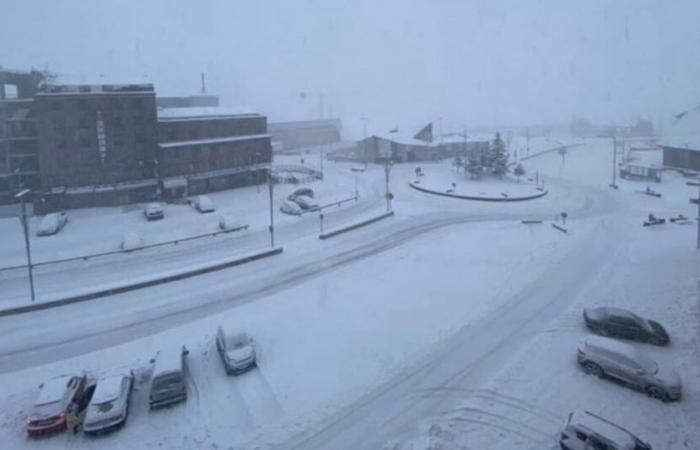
204	204
109	406
306	203
587	431
230	223
290	208
154	211
237	351
131	241
52	223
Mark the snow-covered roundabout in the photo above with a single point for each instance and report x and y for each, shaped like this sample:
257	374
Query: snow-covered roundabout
445	181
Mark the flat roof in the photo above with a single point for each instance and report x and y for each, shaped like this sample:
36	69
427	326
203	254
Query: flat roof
92	89
202	113
690	142
220	140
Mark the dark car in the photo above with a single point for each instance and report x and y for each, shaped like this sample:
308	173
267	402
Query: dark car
616	322
51	405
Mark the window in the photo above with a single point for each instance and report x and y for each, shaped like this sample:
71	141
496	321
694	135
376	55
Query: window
57	105
59	125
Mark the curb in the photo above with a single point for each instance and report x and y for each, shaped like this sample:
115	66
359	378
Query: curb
480	199
142	284
355	226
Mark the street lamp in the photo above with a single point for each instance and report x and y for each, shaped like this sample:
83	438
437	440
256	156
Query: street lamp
364	138
21	196
270	184
387	169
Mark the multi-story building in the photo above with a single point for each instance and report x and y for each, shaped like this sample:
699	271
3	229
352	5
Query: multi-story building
19	154
208	149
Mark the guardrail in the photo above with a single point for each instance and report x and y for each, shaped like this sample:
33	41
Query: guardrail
355	225
117	252
145	282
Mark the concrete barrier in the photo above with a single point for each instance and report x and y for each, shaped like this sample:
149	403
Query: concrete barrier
480	199
143	283
354	226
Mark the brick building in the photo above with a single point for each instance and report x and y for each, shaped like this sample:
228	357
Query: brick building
209	149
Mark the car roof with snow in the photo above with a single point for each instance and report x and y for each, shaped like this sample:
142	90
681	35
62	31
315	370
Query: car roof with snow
168	361
608	311
599	342
53	390
108	388
607	429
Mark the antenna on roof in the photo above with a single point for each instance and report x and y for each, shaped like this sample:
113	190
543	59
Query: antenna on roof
204	84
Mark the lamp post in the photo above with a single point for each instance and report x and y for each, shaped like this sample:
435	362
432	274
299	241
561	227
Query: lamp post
614	167
387	194
364	139
21	196
270	184
692	183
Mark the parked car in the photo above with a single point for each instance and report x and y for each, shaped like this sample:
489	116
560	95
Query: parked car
292	208
230	223
304	191
587	431
169	380
306	203
109	407
624	324
204	204
154	211
605	357
131	241
237	351
51	405
52	223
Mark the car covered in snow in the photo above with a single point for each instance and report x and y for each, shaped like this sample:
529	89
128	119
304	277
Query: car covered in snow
237	351
291	208
51	405
621	323
204	204
587	431
616	360
306	203
52	223
109	406
131	241
169	380
154	211
301	192
228	222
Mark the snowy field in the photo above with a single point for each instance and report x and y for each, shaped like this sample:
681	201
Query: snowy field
451	325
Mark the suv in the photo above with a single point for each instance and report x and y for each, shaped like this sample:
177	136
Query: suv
625	324
237	351
587	431
169	381
601	356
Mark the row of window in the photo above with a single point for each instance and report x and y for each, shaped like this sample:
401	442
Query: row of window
83	104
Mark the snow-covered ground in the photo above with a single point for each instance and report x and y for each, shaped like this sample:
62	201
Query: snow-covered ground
451	325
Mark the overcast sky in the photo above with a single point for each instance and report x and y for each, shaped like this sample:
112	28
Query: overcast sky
397	62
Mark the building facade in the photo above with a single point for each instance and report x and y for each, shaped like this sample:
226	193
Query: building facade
682	157
19	152
209	149
190	101
305	133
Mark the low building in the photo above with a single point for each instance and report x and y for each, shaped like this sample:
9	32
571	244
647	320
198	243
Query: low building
210	149
681	153
376	148
305	133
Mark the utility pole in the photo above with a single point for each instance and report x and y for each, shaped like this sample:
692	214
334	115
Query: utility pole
364	139
696	183
321	161
21	196
270	184
614	167
387	194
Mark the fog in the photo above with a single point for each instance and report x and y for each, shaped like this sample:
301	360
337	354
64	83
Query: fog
395	62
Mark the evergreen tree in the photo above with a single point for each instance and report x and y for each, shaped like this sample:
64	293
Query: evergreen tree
498	160
519	171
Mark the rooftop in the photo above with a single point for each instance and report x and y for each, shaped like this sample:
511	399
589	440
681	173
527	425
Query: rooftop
219	140
203	113
78	89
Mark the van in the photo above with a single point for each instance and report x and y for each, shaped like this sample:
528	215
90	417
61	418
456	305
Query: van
204	204
169	380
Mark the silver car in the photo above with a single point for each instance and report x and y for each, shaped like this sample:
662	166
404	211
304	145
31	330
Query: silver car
237	351
605	357
109	406
587	431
